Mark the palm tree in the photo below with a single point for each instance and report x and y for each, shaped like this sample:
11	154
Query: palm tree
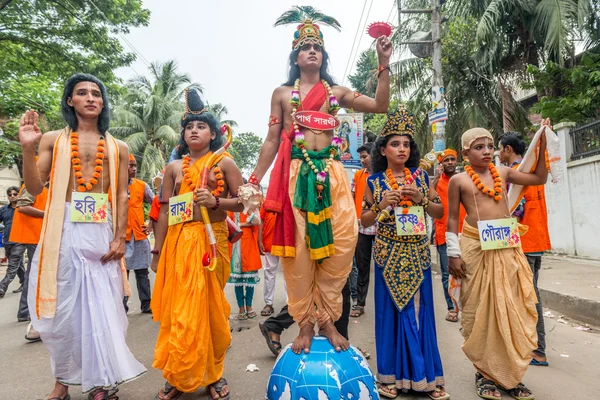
220	111
298	14
148	116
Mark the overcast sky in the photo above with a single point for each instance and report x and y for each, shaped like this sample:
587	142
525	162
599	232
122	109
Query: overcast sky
232	49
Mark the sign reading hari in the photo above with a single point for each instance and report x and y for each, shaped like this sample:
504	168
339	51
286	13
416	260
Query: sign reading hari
316	120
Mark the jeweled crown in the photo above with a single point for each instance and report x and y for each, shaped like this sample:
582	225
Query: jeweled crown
307	32
400	122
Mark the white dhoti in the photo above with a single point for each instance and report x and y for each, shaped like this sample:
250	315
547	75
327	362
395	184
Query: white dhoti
86	337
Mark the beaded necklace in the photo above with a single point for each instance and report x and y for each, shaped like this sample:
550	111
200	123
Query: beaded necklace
76	161
334	107
405	202
496	193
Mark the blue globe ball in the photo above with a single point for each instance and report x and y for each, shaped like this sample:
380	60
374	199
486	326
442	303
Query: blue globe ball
322	374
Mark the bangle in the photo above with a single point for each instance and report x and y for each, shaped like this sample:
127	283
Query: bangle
218	203
155	252
382	68
253	180
375	208
425	202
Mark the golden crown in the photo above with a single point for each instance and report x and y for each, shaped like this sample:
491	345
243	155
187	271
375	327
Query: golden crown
400	122
307	33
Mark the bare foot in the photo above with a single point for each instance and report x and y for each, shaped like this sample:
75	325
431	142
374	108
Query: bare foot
337	341
59	391
304	339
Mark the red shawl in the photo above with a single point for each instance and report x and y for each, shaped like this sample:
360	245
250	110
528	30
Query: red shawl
278	199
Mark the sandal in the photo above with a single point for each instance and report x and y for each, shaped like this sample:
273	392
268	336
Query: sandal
273	345
168	388
438	390
68	397
218	387
452	316
357	311
267	310
517	392
242	316
252	314
390	393
485	385
103	394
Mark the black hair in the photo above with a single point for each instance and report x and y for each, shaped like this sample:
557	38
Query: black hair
368	147
515	141
379	162
68	112
11	189
371	137
294	69
194	103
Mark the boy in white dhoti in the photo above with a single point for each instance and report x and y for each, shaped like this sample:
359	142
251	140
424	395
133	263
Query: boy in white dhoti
76	283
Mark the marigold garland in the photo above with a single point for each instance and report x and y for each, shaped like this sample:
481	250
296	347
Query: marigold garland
186	176
406	201
496	193
76	161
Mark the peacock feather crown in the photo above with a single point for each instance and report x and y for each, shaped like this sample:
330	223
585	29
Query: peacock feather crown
307	32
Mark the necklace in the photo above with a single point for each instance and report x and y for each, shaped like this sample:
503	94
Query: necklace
496	193
405	202
334	107
188	178
76	161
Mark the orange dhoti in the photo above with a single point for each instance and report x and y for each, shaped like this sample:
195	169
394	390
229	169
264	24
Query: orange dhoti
190	303
315	290
499	315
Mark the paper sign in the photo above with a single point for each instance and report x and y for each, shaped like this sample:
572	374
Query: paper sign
497	234
181	208
89	207
410	221
316	120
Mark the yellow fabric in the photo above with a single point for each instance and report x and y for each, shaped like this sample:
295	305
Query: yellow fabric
499	316
310	283
316	219
190	304
51	235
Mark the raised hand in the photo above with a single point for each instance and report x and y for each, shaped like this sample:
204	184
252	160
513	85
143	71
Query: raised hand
384	50
29	131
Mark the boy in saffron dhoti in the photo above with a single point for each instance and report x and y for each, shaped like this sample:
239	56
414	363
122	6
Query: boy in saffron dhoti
188	299
316	229
76	280
498	298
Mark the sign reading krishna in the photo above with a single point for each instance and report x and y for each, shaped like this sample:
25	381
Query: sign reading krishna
350	131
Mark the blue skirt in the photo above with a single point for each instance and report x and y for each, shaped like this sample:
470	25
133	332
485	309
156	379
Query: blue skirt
406	341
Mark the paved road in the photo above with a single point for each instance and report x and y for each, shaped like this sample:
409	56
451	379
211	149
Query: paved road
25	367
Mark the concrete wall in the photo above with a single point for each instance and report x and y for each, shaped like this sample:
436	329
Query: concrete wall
574	204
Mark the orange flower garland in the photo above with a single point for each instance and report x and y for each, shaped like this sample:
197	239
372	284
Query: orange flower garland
496	193
406	202
76	161
218	174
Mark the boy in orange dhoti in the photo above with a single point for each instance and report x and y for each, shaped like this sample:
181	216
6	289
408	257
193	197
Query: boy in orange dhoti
498	297
188	299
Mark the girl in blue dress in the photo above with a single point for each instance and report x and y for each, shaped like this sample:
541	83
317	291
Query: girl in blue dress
407	352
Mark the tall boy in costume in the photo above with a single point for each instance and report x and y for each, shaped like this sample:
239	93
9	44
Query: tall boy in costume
76	282
188	299
316	229
497	295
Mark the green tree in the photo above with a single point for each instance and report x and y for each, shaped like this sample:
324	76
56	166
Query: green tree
148	117
244	149
569	94
362	81
60	37
220	111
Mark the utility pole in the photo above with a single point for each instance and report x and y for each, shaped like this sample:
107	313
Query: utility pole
439	113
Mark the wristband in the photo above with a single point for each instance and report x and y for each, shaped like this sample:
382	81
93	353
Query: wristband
382	68
253	180
218	200
375	208
155	252
425	202
453	248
